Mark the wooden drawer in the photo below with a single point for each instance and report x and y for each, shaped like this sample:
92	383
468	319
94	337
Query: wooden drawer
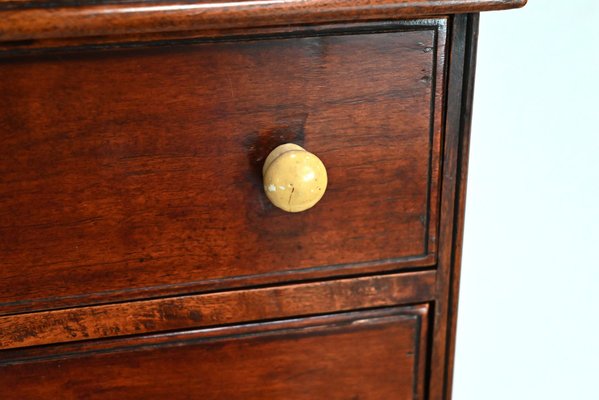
139	254
367	355
135	172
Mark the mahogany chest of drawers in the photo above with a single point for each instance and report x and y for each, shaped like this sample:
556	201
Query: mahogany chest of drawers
141	255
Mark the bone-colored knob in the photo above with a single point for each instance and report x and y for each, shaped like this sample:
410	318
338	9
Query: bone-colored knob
294	179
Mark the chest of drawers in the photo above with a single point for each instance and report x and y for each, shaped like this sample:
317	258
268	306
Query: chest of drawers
141	256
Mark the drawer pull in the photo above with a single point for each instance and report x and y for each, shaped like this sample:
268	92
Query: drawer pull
294	179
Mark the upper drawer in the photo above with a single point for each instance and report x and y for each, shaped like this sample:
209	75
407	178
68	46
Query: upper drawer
137	172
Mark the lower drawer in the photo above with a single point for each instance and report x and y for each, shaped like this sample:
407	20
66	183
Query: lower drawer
375	354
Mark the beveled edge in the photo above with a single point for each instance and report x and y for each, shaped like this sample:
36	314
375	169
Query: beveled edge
26	20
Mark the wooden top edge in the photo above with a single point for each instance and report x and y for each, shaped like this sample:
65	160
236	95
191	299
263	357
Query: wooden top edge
46	19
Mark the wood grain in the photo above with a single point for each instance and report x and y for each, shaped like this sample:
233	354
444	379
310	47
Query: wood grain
365	355
213	309
470	50
460	86
114	165
19	21
127	174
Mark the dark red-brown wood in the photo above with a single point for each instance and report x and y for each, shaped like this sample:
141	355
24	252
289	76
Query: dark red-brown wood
130	173
114	160
469	60
365	355
460	79
175	313
27	20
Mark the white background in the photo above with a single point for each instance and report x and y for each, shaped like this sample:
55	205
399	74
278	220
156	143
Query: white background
528	322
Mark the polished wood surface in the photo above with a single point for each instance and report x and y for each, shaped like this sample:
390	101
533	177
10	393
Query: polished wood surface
365	355
140	256
127	172
470	38
460	86
27	20
214	309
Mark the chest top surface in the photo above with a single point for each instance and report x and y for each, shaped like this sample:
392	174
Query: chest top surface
22	20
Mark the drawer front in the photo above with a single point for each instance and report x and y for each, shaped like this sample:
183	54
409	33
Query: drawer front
136	172
366	355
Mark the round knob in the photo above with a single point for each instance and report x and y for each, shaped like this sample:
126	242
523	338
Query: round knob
294	179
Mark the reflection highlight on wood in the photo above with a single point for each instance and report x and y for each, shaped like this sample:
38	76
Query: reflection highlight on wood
122	19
